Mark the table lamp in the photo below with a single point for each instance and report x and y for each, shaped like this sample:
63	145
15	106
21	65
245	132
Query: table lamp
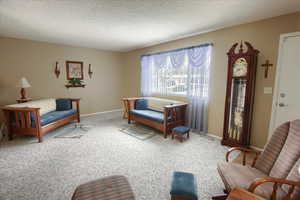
23	84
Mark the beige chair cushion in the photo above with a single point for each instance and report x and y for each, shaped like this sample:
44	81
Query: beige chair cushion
270	154
45	105
289	154
236	175
294	176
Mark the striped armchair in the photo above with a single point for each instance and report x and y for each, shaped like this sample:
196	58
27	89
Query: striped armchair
274	172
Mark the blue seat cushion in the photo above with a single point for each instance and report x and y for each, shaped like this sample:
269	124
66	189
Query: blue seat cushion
149	114
63	104
181	129
55	115
184	185
141	104
46	118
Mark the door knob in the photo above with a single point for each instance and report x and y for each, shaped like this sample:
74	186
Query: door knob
282	95
281	105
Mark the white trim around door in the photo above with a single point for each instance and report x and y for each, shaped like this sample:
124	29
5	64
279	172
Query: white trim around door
283	37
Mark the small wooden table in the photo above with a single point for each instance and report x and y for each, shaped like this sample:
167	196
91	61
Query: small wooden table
23	100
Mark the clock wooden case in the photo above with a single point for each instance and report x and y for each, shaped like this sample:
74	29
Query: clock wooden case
239	95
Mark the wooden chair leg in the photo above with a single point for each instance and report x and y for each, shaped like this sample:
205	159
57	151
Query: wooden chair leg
78	118
172	136
188	135
10	135
165	133
40	138
220	197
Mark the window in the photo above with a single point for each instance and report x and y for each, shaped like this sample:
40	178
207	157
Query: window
169	80
182	72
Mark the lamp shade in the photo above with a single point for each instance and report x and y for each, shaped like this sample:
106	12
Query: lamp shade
23	83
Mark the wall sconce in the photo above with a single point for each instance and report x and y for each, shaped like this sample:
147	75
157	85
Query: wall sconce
57	70
90	71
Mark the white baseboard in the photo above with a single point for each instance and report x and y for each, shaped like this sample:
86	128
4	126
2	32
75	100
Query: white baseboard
214	136
220	138
256	148
106	114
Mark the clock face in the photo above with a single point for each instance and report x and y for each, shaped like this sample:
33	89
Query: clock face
240	67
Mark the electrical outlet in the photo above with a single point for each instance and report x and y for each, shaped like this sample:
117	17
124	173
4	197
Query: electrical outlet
268	90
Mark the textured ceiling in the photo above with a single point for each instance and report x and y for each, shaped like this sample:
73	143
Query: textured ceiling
123	25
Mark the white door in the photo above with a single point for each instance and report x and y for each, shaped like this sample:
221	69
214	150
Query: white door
286	101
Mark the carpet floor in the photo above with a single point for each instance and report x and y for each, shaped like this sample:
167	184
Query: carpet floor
51	170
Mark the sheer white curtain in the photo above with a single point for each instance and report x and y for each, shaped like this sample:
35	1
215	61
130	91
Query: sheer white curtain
146	76
198	88
183	72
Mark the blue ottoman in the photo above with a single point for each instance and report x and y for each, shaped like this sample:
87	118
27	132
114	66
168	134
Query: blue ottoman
184	186
180	131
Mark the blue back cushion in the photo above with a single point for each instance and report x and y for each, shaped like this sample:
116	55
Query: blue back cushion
63	104
141	104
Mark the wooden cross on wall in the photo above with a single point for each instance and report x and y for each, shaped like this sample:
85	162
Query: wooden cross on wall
266	66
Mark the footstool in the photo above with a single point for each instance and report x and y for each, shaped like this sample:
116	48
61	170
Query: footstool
180	131
108	188
184	186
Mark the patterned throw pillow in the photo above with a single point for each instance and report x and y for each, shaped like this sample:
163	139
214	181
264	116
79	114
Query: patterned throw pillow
63	104
141	104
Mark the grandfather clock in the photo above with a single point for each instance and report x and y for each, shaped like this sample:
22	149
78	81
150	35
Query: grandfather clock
239	95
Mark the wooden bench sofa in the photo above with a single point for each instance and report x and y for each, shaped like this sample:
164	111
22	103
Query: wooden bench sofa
161	114
39	117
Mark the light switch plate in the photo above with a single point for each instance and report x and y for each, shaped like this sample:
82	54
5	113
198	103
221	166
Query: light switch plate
268	90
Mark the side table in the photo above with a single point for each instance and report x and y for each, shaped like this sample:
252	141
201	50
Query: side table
23	100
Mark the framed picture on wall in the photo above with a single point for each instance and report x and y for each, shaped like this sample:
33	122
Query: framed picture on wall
74	70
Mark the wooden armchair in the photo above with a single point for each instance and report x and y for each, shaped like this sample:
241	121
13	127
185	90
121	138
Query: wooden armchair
273	173
172	115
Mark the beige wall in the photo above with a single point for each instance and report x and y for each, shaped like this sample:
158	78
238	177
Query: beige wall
36	62
118	74
298	21
263	35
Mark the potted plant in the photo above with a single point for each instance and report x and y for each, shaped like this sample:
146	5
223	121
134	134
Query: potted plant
75	82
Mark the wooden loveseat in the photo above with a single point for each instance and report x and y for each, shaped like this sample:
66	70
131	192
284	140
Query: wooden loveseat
161	114
39	117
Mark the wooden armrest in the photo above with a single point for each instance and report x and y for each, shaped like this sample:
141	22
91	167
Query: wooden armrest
244	150
129	102
22	117
175	105
132	98
25	109
277	182
75	99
